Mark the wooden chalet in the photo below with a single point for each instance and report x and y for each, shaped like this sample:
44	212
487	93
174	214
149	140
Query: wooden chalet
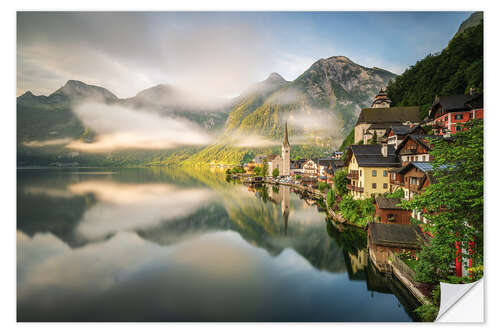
450	113
384	239
388	211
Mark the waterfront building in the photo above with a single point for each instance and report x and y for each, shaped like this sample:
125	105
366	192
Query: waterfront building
311	168
450	113
297	166
385	239
389	211
368	169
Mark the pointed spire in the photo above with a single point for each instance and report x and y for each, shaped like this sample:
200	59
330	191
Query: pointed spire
285	141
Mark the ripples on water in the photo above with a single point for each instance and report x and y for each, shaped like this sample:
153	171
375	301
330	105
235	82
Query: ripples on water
186	245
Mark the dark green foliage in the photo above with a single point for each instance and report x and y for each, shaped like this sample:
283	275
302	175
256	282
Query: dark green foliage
428	312
452	72
359	212
323	186
276	172
453	205
399	194
330	198
340	182
349	140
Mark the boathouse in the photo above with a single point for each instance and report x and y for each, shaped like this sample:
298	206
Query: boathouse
384	239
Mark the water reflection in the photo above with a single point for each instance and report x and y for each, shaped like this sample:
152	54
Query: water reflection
171	245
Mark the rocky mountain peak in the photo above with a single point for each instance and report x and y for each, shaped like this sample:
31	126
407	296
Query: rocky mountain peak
78	90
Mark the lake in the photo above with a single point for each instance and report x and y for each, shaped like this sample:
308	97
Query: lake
158	244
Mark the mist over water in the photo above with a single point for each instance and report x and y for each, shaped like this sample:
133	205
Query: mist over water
186	245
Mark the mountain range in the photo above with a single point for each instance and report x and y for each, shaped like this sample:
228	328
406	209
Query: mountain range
332	90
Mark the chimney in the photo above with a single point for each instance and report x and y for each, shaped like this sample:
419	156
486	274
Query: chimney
383	150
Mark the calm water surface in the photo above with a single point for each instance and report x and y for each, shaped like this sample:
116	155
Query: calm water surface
184	245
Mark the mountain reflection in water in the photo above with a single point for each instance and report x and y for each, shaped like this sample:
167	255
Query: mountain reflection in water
186	245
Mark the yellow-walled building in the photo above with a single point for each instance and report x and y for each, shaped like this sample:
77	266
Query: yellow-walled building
368	169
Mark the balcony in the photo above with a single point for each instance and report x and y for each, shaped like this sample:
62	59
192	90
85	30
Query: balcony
354	188
353	174
408	151
396	182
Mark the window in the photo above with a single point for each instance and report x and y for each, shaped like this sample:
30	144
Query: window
385	185
385	173
374	173
446	118
391	217
360	173
459	128
374	185
459	116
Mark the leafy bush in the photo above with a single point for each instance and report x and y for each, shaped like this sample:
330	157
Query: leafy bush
276	172
359	212
340	181
330	198
398	194
322	186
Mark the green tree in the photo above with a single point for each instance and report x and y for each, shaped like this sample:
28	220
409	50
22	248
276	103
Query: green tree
322	186
276	172
330	198
258	171
453	205
374	138
340	181
398	194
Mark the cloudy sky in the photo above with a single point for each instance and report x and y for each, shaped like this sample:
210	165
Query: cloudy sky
214	53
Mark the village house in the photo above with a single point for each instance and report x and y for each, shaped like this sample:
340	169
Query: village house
389	211
396	133
310	168
259	160
248	167
380	117
297	166
337	155
368	169
450	113
385	239
416	147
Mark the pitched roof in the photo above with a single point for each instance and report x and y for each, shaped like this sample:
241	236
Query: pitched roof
371	155
387	203
422	139
393	115
394	235
455	103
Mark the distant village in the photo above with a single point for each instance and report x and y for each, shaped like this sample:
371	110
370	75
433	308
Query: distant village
391	153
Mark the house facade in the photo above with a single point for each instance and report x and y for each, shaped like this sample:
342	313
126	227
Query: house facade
389	211
384	118
396	133
368	169
450	113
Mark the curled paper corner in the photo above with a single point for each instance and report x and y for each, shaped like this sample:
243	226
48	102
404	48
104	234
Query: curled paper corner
462	302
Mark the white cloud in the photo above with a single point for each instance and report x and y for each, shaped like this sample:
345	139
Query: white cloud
118	127
135	206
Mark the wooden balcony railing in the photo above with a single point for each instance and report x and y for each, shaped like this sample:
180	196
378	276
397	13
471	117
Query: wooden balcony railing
353	174
355	188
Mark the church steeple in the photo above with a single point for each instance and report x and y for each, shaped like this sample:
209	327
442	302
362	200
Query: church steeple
285	141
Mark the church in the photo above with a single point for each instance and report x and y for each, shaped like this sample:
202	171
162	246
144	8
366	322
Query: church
282	163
